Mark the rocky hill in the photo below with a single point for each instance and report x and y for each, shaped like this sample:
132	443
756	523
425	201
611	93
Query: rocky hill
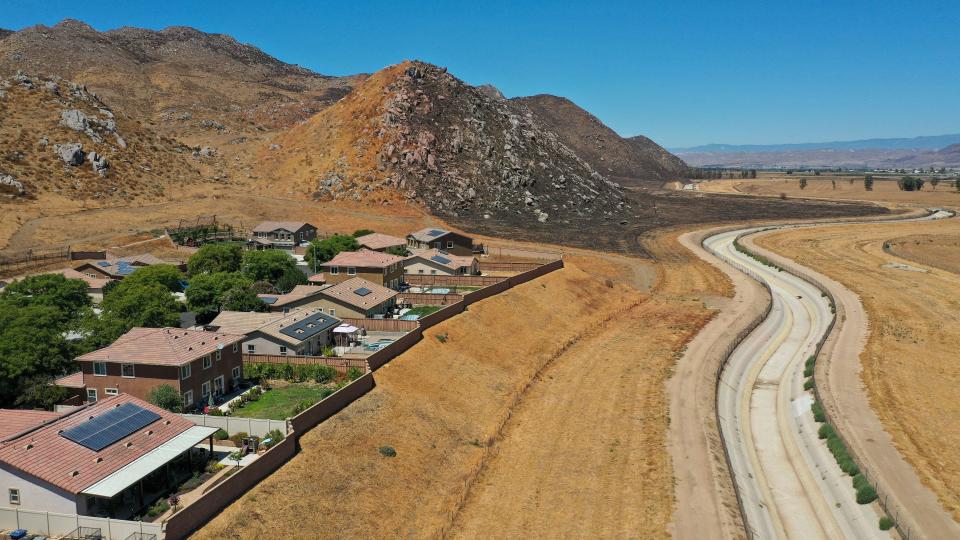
945	157
58	137
196	86
456	149
633	161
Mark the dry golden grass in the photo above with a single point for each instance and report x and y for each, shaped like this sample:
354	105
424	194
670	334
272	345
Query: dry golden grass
909	364
884	191
937	250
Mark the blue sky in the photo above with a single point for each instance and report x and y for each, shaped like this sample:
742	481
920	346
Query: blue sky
682	73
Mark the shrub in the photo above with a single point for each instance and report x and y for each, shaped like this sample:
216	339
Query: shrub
354	373
214	467
808	384
808	371
302	406
215	412
887	523
323	374
388	451
826	432
160	507
442	338
275	436
220	435
859	481
237	438
818	413
866	494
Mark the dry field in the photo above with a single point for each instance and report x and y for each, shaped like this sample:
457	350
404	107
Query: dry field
822	187
909	363
937	250
550	433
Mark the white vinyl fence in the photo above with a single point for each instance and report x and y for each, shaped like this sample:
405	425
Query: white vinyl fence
53	524
232	425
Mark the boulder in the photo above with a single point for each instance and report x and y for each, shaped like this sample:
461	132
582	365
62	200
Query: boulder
7	180
71	154
99	163
74	120
52	87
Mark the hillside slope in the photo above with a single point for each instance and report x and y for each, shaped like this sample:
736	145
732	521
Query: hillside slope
192	84
456	149
636	160
57	137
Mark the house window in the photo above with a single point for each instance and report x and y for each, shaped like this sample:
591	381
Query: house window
283	350
219	355
251	348
420	271
14	496
351	271
449	244
126	370
185	371
236	372
334	270
333	312
235	344
206	362
433	271
218	385
188	398
100	369
205	389
92	395
111	391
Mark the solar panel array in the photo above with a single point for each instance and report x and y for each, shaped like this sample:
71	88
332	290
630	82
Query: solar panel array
436	232
268	299
441	260
310	326
103	430
103	264
362	291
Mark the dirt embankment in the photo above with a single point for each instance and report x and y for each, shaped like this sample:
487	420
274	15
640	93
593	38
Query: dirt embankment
841	188
909	367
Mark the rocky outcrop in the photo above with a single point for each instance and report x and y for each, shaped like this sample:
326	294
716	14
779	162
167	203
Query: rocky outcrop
8	182
99	163
71	154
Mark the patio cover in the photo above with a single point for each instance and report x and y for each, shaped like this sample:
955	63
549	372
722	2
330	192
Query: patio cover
149	462
345	329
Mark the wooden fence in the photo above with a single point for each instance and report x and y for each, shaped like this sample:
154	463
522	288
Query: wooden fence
382	325
342	365
452	281
429	299
490	266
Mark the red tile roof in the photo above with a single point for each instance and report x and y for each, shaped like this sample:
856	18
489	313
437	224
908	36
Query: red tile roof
13	421
377	241
161	346
73	380
299	292
346	292
364	258
45	454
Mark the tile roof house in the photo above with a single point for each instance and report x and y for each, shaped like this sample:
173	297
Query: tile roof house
380	242
435	261
281	234
112	458
302	332
301	296
434	238
198	364
357	297
117	268
14	421
95	281
381	268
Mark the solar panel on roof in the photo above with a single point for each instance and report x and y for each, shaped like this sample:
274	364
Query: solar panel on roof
363	291
105	429
436	232
441	260
268	299
309	326
103	264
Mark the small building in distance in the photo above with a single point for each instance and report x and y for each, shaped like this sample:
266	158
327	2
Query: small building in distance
380	242
302	332
113	458
439	262
117	268
281	234
433	238
375	266
194	362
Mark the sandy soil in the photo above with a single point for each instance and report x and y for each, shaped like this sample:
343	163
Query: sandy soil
937	250
822	187
909	367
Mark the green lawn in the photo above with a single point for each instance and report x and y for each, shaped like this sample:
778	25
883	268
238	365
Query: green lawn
278	403
423	311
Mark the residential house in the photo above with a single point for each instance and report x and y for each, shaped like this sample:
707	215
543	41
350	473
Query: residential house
380	268
112	458
432	238
116	268
196	363
302	296
95	285
439	262
380	242
303	332
281	234
356	297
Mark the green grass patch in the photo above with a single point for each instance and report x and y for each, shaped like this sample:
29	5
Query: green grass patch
280	403
423	311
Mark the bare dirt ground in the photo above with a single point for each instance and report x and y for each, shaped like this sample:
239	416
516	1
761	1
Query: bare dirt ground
908	364
822	187
937	250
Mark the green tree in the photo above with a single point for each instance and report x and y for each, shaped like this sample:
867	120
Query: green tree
321	251
208	294
361	232
868	182
166	397
32	345
213	258
290	279
133	304
40	392
167	275
803	183
399	251
67	296
934	182
268	264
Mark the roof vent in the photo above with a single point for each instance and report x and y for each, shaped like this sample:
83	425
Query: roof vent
167	423
29	446
75	473
99	460
129	444
149	432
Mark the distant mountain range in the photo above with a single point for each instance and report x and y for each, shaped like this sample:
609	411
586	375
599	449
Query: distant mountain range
926	151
